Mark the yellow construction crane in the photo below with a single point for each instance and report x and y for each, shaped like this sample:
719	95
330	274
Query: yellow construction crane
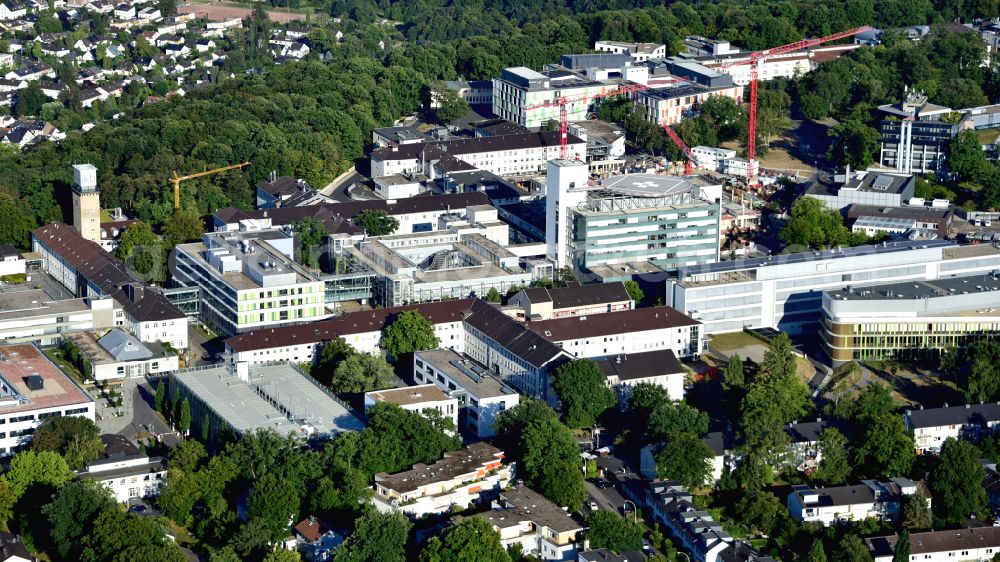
178	179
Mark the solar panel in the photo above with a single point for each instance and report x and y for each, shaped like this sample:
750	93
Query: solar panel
882	183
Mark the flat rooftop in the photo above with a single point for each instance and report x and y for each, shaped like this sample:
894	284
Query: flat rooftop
455	464
914	290
241	405
646	185
21	361
409	395
32	303
467	373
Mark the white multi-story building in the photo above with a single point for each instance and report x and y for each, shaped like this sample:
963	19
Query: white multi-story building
474	92
33	389
503	155
672	104
420	399
931	427
785	292
128	473
118	355
525	96
31	316
979	544
250	280
640	52
460	480
481	396
660	368
619	333
540	303
871	499
362	330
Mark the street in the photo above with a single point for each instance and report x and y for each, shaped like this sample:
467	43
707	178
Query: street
140	419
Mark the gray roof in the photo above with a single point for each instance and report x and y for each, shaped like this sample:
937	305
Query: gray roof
578	295
918	290
512	335
124	347
969	414
640	365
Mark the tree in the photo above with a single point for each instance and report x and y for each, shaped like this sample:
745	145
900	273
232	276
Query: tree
957	481
671	417
408	332
732	376
887	448
138	235
161	395
901	552
583	391
8	499
76	438
72	512
816	552
761	511
43	467
330	355
396	439
184	225
493	295
685	458
187	457
274	501
30	99
472	540
854	144
916	513
378	537
852	549
376	222
511	424
282	555
813	225
312	235
450	104
617	534
15	224
168	8
551	463
361	372
834	464
184	423
634	291
118	536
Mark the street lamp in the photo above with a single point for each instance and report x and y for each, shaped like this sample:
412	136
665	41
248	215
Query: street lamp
635	510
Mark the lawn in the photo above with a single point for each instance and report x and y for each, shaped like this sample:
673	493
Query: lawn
732	341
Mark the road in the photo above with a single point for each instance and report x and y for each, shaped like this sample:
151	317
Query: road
608	499
337	188
140	419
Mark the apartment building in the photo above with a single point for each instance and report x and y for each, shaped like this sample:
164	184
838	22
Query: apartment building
33	389
788	65
519	89
871	499
481	396
931	427
669	105
660	368
524	517
513	353
980	544
909	319
415	214
626	220
362	330
250	280
419	399
541	303
460	480
87	271
285	191
785	292
503	155
128	473
627	332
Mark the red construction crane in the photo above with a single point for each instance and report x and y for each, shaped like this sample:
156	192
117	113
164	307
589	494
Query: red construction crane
562	101
689	160
758	56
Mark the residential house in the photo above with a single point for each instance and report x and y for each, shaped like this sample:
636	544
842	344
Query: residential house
31	71
542	303
460	479
605	555
660	368
124	12
980	544
932	426
315	539
843	504
421	398
12	85
12	549
11	261
543	529
10	10
128	473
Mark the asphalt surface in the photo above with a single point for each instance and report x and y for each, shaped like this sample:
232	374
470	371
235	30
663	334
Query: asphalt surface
146	422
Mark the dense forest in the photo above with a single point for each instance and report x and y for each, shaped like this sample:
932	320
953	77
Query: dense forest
313	118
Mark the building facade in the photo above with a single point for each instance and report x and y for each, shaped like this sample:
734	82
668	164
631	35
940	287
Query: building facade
86	202
672	104
915	135
882	501
519	88
420	399
931	427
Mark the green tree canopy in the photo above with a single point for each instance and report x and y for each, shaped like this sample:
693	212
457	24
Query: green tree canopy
361	372
76	438
916	512
184	225
634	291
330	355
138	234
311	240
378	537
816	552
835	463
958	481
732	376
450	104
43	467
376	222
901	552
72	513
551	462
408	332
617	534
472	540
672	417
685	458
273	500
854	144
396	439
814	226
583	391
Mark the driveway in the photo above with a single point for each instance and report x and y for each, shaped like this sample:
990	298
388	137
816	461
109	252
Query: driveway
141	420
